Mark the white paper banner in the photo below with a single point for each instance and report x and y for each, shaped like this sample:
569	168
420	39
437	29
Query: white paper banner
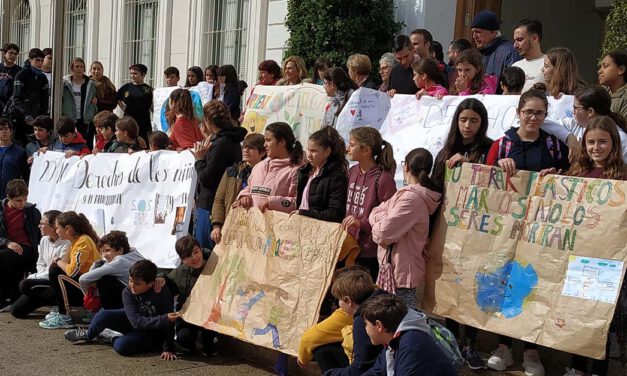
366	107
147	195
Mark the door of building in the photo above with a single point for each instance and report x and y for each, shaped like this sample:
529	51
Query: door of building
466	10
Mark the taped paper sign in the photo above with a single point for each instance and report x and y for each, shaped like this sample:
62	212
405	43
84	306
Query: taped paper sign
366	107
146	195
519	256
301	106
266	280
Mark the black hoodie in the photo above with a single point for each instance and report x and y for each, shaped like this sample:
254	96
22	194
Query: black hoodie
225	150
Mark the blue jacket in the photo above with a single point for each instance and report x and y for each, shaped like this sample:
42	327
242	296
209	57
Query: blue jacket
498	55
12	166
412	352
364	352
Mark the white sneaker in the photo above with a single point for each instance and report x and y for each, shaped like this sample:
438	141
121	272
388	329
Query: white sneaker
501	359
108	336
532	364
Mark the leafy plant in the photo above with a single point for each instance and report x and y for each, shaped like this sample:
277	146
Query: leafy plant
616	24
336	29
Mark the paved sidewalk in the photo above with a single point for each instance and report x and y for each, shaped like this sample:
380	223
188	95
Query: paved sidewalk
26	349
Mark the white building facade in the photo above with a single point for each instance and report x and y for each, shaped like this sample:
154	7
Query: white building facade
180	33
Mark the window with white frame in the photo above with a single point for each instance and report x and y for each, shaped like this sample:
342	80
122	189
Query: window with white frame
20	29
75	30
140	34
226	34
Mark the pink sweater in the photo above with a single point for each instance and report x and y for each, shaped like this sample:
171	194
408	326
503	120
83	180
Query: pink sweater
403	220
273	181
488	86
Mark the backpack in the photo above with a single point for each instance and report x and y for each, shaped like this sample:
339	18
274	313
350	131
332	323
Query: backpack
445	341
552	144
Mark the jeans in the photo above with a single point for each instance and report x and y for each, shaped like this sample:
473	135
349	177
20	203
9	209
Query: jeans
202	228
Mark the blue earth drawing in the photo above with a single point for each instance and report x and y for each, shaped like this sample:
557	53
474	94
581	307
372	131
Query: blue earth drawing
505	289
197	102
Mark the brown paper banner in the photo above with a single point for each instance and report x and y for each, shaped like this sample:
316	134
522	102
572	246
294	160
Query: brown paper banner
264	283
538	259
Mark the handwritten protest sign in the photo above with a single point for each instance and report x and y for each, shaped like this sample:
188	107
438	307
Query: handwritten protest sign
301	106
201	94
520	256
265	282
147	195
366	107
425	123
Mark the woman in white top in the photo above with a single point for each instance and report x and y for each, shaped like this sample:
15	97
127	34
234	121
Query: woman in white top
590	102
36	289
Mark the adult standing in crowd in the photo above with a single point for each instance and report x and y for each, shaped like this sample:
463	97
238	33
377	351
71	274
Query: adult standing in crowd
294	71
561	72
9	65
105	89
402	76
230	90
30	96
421	41
319	67
220	150
527	38
386	64
269	72
359	68
613	75
79	100
496	51
135	99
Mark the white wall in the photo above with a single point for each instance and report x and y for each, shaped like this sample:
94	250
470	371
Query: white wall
436	16
277	34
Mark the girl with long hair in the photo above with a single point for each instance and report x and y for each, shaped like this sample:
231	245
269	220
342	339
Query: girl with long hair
471	77
105	89
79	100
427	76
194	76
184	130
613	75
339	88
560	71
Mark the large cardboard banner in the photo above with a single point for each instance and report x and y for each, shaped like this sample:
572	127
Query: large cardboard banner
147	195
265	282
425	123
301	106
539	259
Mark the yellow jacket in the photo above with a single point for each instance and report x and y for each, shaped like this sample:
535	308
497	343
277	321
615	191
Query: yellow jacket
83	254
326	331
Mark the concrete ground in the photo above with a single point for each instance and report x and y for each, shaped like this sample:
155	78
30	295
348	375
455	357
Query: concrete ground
26	349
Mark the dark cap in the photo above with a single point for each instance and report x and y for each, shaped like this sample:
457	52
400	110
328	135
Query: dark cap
140	67
486	20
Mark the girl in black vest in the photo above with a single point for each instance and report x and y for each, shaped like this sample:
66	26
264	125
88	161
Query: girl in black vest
322	182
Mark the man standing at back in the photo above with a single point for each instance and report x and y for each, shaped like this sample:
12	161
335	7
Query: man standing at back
421	40
527	38
498	53
402	75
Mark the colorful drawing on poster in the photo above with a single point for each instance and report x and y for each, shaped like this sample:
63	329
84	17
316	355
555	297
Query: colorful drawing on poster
278	310
505	289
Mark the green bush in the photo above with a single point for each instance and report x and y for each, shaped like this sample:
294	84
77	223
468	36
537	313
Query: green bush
338	28
616	24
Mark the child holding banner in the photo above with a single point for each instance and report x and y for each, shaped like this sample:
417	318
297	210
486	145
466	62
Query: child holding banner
272	182
322	183
370	182
470	75
601	158
526	148
400	226
427	74
466	143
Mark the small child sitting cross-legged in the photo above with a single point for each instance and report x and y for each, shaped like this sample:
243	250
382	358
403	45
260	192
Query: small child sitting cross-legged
145	323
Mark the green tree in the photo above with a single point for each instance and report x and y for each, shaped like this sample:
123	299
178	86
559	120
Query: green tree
338	28
616	24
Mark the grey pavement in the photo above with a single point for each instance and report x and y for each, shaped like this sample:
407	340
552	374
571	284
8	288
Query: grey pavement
26	349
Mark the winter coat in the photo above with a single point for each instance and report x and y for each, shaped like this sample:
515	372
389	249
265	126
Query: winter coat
225	150
530	156
233	180
34	146
412	351
498	55
78	144
365	192
32	216
273	181
30	94
327	192
182	280
403	221
88	93
13	165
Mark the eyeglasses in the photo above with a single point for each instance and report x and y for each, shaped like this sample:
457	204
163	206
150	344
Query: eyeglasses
529	114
